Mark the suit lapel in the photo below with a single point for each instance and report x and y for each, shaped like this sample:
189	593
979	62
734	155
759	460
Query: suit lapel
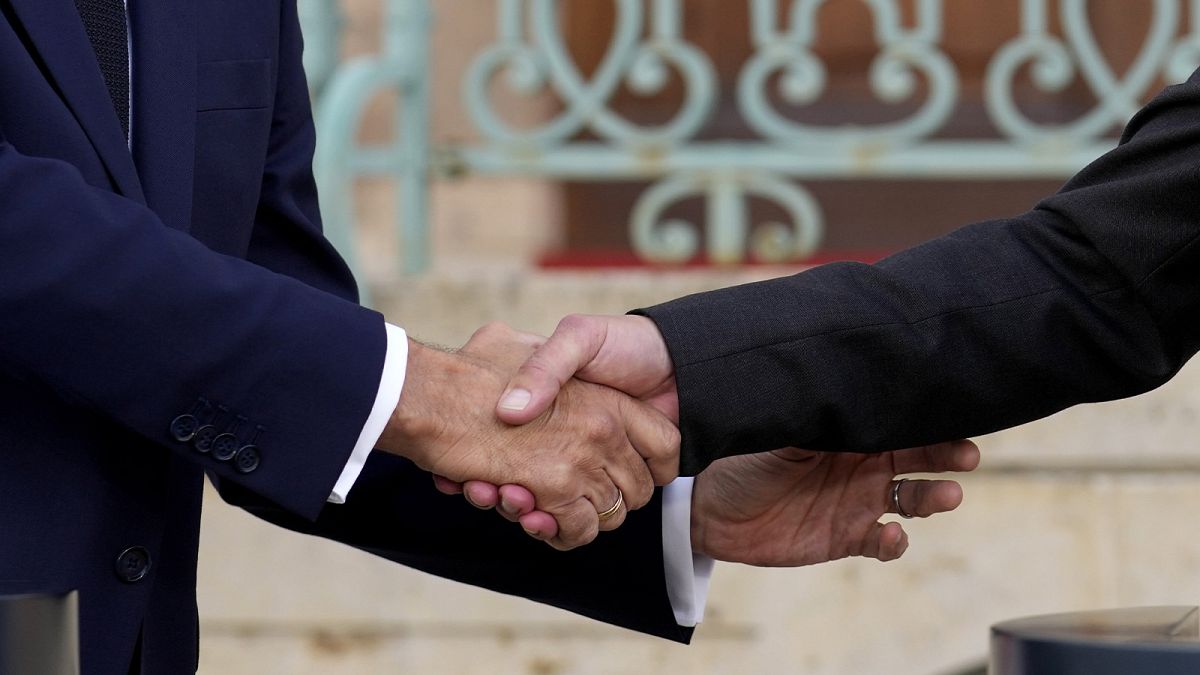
56	32
164	104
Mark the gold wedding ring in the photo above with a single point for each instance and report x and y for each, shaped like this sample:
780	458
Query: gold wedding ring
612	511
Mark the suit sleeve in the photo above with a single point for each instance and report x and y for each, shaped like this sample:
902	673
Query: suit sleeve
1092	295
394	512
122	315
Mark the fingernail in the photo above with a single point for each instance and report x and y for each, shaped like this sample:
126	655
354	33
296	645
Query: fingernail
506	507
536	534
516	399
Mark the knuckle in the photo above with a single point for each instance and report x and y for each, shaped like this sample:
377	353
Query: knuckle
672	439
579	530
574	323
662	457
602	429
589	533
664	470
490	329
669	459
560	477
642	493
667	447
637	487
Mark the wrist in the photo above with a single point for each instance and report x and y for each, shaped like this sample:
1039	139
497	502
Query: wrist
417	417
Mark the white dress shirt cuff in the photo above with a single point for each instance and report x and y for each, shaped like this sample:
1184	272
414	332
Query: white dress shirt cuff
391	381
688	574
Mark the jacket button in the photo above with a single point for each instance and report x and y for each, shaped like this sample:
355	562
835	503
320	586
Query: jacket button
183	428
133	564
204	437
224	447
246	459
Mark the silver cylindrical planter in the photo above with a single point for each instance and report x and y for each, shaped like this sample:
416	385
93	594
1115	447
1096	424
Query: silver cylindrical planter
39	634
1129	641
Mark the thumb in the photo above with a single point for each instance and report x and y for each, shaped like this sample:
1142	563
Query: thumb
574	344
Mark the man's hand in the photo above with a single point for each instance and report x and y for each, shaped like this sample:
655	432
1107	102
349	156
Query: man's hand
591	442
793	507
626	353
789	507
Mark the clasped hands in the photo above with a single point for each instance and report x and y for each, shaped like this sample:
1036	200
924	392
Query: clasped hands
566	435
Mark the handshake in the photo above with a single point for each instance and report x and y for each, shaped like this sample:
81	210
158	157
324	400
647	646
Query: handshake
568	435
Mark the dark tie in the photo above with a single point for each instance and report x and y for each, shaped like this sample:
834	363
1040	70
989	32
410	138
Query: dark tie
104	21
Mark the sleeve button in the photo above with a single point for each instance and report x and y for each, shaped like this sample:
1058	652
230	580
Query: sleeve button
224	447
204	437
247	459
183	428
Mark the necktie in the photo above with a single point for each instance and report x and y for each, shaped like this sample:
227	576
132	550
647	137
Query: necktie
104	22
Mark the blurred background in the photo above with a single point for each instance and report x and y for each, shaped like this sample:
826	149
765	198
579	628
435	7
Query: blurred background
519	160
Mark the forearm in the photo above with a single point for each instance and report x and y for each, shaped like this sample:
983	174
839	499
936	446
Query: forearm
163	321
1091	296
395	512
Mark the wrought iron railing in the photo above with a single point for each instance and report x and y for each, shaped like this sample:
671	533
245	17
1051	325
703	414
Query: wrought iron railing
647	43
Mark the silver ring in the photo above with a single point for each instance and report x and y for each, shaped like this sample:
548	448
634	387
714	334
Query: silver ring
896	499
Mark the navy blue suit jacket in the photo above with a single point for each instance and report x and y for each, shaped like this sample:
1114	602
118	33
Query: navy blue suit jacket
135	284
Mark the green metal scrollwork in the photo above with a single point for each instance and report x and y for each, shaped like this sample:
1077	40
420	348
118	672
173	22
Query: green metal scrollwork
647	44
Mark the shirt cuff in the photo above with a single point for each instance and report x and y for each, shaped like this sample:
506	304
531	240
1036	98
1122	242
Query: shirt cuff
688	574
391	381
